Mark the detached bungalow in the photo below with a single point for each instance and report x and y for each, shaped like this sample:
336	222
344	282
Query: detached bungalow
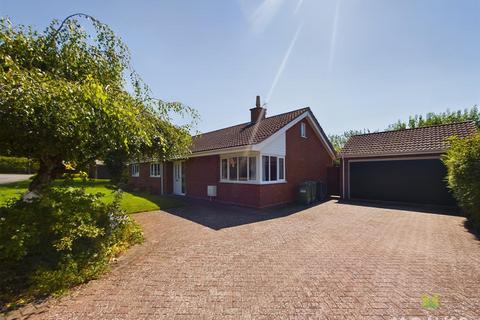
259	163
401	166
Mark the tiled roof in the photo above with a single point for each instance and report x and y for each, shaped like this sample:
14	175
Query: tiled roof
419	140
244	134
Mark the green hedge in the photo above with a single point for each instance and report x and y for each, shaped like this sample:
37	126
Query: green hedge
463	164
17	165
62	239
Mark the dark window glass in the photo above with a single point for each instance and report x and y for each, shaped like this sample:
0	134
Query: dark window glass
253	168
265	171
242	168
233	165
224	169
281	166
273	168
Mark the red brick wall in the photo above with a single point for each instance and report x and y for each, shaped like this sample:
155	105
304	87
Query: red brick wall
144	182
306	159
240	193
200	173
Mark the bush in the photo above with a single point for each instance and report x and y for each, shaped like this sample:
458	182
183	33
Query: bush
62	239
463	164
17	165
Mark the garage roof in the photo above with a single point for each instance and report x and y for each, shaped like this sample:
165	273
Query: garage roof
431	139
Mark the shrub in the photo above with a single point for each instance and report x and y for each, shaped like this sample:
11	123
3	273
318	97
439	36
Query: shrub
62	239
17	165
463	164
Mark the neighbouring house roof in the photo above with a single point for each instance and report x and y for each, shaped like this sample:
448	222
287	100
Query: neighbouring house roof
248	133
431	139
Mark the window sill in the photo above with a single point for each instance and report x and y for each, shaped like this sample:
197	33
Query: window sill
273	182
254	182
155	176
239	181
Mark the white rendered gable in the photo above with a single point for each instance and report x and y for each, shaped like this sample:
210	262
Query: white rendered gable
275	146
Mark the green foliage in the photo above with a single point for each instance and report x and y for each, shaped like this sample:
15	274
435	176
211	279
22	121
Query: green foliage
65	98
463	164
64	238
132	201
472	114
17	165
339	140
116	162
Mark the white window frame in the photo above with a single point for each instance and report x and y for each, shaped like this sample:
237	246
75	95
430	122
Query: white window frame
278	169
155	169
237	156
303	130
135	170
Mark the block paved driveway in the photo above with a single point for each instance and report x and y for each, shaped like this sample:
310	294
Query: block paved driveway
331	261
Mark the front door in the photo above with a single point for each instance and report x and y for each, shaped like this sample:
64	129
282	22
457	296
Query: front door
179	177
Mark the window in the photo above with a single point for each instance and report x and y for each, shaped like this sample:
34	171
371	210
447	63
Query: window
224	169
252	171
273	168
303	130
281	169
238	169
155	169
233	168
135	170
265	166
242	168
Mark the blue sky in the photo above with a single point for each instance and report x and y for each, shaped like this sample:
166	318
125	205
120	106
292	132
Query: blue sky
356	63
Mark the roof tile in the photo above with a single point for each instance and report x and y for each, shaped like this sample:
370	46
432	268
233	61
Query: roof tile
245	133
417	140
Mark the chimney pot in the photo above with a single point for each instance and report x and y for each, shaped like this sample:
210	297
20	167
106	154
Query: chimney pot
258	113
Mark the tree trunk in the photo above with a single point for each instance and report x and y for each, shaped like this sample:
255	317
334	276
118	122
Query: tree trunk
50	169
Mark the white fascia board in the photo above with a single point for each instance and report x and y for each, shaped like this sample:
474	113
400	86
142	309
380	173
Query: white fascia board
261	145
438	153
312	122
222	151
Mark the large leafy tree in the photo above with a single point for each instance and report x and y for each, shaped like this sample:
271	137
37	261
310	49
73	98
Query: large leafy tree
431	118
68	97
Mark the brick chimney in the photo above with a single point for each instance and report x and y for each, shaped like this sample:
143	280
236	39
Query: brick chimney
258	113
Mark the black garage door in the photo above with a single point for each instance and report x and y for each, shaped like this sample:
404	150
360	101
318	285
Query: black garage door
414	181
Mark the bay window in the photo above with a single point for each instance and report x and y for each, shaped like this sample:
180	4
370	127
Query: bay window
233	168
240	168
252	171
224	169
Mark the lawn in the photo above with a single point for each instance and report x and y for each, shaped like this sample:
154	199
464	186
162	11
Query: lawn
131	202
